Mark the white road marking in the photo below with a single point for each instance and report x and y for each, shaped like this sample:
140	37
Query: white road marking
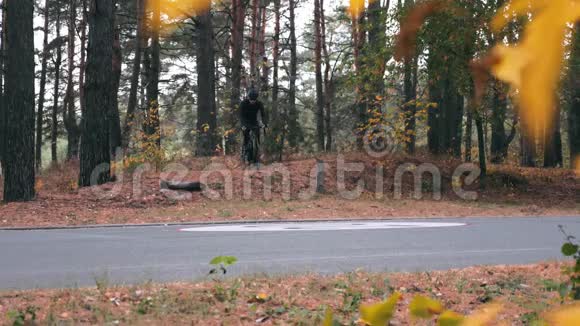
319	226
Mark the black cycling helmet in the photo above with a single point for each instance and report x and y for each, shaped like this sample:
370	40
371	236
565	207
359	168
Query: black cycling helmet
253	94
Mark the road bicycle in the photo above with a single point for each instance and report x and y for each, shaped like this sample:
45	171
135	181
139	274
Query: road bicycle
251	149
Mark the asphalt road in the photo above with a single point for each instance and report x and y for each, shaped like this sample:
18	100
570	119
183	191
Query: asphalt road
79	257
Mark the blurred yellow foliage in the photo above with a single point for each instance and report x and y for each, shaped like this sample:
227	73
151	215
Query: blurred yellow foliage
567	316
356	7
379	314
179	9
450	318
423	307
533	66
483	316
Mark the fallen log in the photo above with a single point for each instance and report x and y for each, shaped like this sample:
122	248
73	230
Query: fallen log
182	186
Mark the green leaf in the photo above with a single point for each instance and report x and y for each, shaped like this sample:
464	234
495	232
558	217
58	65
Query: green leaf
223	260
564	290
569	249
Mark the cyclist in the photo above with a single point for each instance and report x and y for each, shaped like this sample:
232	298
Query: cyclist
249	110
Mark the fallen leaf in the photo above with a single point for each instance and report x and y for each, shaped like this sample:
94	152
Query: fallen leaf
406	39
423	307
379	314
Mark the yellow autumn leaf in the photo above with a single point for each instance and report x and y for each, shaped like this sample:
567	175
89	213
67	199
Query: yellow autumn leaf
512	63
379	314
38	185
567	316
357	7
533	67
178	9
514	9
483	317
328	317
450	318
423	307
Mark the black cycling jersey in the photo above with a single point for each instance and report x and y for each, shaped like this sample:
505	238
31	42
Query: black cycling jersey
249	113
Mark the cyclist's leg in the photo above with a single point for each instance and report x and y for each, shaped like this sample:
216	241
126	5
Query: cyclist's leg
246	146
257	146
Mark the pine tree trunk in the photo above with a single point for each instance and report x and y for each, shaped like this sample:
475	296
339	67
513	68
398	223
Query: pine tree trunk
409	107
136	73
83	63
69	111
499	140
468	134
238	16
263	59
328	82
254	40
446	121
294	133
19	172
553	144
359	38
57	64
319	81
151	125
481	144
115	119
574	108
206	106
2	77
43	71
277	123
527	146
95	150
275	59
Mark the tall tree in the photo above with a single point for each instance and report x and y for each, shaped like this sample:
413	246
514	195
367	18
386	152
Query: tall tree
449	52
237	39
115	120
263	59
553	143
253	53
500	141
574	102
294	133
410	72
318	73
69	111
275	59
206	106
3	134
328	82
481	143
135	74
527	147
151	125
83	63
44	67
95	150
359	39
468	134
19	176
56	94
